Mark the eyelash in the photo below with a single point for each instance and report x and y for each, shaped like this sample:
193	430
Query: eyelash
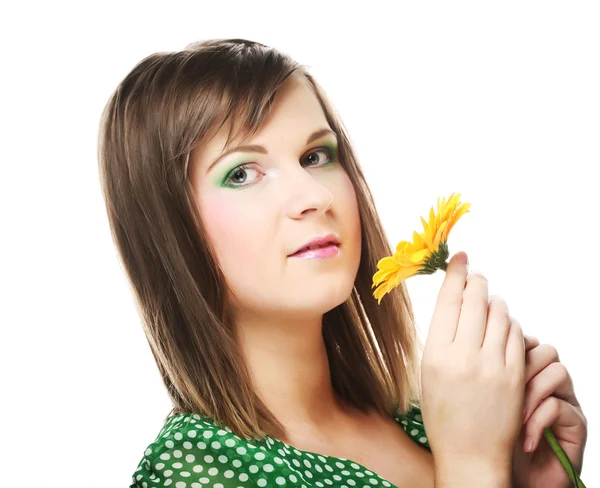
331	152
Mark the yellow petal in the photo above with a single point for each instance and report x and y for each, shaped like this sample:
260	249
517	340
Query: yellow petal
410	257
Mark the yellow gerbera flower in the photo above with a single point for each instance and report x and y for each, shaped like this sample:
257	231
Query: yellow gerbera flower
426	254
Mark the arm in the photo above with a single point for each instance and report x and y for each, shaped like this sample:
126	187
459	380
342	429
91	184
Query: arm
472	473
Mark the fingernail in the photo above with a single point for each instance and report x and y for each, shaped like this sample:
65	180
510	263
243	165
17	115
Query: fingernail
528	444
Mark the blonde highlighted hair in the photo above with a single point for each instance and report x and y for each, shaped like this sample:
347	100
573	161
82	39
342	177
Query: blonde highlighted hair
159	113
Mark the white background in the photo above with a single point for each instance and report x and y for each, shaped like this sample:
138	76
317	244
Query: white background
498	101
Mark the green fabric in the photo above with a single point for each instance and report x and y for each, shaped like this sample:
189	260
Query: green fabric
191	451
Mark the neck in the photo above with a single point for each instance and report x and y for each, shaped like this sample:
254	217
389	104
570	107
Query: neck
290	370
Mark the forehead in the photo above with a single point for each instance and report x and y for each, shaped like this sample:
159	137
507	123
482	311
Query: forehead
294	113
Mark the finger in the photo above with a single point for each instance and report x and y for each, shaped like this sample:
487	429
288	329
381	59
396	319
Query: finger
498	325
449	302
564	420
474	313
554	380
538	358
515	349
530	342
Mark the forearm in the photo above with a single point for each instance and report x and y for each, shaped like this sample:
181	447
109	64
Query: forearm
476	474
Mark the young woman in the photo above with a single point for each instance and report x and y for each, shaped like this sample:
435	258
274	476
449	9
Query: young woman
218	164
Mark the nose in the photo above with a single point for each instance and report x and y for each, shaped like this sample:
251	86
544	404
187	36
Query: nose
305	193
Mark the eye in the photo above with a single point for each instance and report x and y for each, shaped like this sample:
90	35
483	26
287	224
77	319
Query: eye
329	152
234	176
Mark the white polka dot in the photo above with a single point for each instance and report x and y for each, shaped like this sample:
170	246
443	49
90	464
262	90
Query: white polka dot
222	459
229	474
188	445
185	474
190	458
159	466
230	443
253	469
260	456
414	432
177	453
191	433
268	468
216	445
261	482
213	471
169	444
168	482
280	480
201	445
209	459
165	455
423	439
178	436
243	477
241	450
207	434
148	451
181	484
168	472
197	468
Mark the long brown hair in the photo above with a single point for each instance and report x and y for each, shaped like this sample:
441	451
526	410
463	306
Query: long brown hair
159	113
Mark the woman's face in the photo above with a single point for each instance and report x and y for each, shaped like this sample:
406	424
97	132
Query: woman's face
292	192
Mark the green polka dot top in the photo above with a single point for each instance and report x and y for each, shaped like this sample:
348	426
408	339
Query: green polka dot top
191	451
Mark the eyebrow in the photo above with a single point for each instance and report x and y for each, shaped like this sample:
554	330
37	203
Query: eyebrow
260	149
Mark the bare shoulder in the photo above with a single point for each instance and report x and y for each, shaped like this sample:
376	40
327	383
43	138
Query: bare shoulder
395	456
376	442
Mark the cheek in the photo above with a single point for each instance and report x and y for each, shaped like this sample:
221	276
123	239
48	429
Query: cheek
223	223
233	232
350	203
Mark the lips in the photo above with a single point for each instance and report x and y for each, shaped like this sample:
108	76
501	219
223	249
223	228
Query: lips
328	240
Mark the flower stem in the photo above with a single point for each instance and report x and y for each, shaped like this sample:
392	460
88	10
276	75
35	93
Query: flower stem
563	458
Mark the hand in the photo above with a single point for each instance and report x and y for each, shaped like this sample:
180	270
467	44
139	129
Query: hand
550	402
472	375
